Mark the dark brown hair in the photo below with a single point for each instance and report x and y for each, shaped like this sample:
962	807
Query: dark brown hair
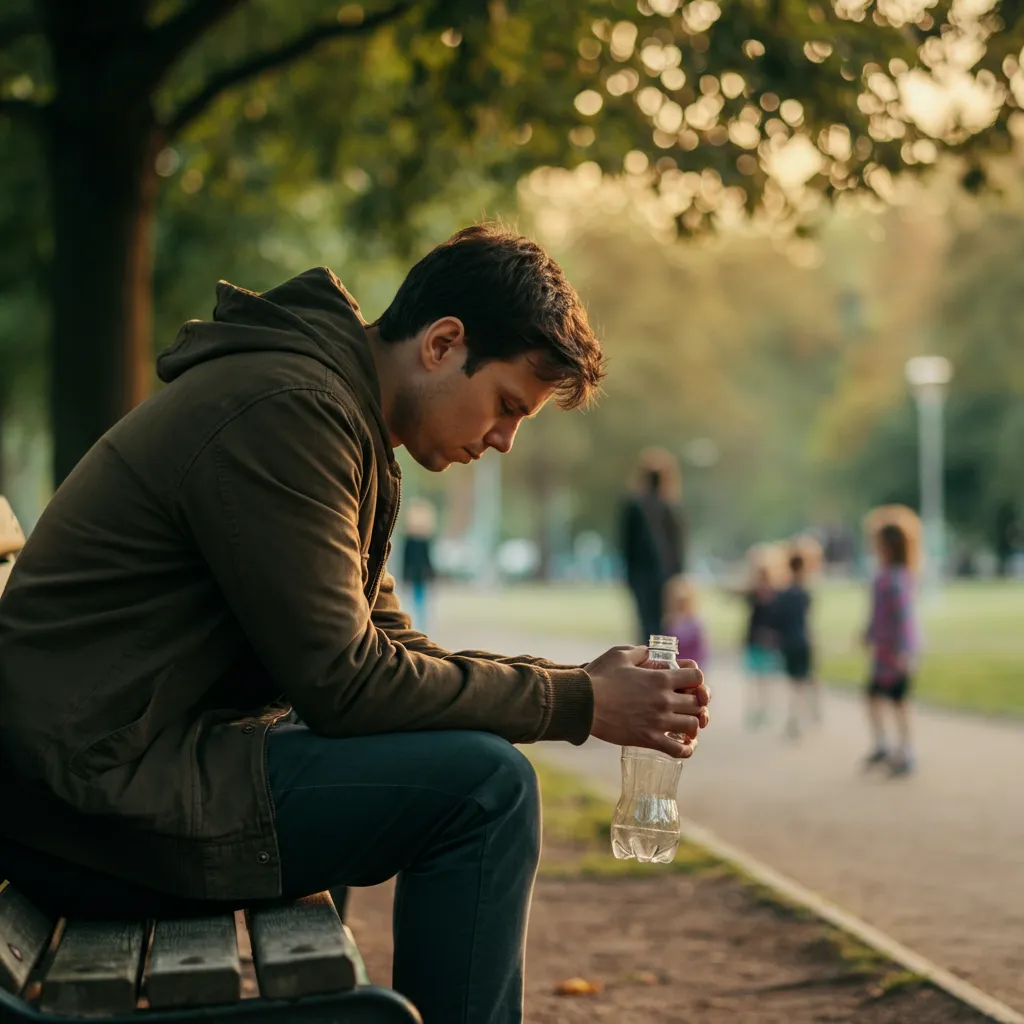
892	542
512	299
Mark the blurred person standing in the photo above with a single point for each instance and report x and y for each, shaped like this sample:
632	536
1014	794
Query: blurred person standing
417	563
652	536
891	636
761	643
682	621
791	611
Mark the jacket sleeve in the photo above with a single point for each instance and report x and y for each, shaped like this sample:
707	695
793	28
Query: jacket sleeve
388	615
273	502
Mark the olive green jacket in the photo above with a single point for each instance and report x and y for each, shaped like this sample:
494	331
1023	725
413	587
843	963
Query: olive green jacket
216	560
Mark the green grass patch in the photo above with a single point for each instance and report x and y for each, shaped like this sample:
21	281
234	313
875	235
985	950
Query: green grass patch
900	981
577	834
854	954
973	639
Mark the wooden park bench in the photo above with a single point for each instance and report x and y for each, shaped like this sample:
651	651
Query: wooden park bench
306	965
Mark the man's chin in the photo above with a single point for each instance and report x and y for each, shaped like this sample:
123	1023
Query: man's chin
432	461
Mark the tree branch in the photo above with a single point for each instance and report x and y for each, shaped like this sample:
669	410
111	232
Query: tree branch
256	65
17	28
171	39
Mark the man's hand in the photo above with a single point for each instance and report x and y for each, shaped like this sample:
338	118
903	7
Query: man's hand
639	707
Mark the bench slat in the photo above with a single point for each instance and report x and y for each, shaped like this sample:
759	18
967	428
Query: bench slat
193	962
24	934
95	969
301	949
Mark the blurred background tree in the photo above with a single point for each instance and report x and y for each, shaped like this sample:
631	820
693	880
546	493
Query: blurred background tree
151	147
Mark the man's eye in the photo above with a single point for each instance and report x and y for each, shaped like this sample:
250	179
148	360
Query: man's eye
506	409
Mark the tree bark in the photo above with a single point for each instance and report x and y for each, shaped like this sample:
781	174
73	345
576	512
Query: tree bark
103	186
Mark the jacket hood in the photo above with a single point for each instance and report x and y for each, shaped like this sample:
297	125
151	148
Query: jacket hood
312	314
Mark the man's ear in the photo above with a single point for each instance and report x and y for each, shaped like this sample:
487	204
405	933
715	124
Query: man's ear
441	342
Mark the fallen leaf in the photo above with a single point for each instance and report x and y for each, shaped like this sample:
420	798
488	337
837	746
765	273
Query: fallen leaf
577	987
644	978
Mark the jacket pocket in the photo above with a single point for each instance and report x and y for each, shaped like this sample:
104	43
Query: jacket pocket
122	745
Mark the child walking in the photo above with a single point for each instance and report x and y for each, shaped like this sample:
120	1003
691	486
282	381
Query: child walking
791	612
682	622
891	636
761	644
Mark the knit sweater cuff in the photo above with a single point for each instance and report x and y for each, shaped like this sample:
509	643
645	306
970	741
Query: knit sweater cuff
572	706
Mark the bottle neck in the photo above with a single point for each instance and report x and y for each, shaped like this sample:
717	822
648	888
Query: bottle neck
663	649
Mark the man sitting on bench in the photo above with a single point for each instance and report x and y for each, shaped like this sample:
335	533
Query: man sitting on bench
210	697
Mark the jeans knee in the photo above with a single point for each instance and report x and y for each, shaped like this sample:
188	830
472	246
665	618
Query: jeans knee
511	791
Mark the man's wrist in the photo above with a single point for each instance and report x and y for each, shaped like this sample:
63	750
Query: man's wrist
572	705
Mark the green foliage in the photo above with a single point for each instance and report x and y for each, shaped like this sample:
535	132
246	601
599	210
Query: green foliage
369	147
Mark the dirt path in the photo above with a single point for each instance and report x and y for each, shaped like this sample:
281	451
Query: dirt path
936	860
675	950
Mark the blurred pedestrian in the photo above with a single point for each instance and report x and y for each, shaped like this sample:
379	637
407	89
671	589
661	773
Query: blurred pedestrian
417	563
891	635
760	640
792	608
682	622
652	536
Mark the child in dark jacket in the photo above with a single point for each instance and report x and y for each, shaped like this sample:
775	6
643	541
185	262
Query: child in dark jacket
792	608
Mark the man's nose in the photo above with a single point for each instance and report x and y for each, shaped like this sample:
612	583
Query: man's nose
502	437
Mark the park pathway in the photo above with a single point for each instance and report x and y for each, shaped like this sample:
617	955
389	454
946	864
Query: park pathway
936	859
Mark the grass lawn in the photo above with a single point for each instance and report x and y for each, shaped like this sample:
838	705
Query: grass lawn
973	632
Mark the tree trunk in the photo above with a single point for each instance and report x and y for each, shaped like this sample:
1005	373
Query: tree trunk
102	145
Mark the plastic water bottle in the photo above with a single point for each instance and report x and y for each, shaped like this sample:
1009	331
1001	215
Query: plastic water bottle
646	820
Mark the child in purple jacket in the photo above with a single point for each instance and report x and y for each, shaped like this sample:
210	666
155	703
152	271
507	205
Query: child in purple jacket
892	637
681	621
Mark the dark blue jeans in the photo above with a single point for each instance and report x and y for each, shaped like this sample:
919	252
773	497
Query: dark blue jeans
455	815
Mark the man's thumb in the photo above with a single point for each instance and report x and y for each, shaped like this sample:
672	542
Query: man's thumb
635	655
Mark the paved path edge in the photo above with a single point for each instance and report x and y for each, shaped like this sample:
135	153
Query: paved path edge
794	892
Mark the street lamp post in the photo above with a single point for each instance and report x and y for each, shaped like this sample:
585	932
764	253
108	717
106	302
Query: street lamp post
928	377
486	519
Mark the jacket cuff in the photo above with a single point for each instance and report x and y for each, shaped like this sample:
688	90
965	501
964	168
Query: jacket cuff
572	706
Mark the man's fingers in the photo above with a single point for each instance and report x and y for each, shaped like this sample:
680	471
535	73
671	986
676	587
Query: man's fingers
686	703
682	725
680	678
670	745
702	693
674	745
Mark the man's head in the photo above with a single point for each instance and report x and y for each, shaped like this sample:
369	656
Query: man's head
483	331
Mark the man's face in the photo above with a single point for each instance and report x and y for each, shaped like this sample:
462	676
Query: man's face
442	416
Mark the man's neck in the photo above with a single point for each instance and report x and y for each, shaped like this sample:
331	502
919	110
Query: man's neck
384	360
